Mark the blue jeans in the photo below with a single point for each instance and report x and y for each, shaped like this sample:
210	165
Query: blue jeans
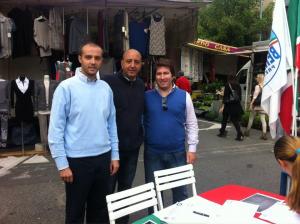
158	161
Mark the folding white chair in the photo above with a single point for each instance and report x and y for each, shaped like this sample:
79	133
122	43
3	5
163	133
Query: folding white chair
174	177
129	201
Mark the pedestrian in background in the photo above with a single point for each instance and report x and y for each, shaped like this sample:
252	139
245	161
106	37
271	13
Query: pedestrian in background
183	83
255	108
287	154
83	139
169	123
231	108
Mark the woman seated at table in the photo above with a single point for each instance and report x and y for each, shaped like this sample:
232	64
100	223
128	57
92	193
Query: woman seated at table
287	153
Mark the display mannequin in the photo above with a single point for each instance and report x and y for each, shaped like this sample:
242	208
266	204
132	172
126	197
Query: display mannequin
23	88
44	90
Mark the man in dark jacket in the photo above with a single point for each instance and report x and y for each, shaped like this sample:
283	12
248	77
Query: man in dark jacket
128	91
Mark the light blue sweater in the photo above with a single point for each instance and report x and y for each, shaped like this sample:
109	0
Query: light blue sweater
82	121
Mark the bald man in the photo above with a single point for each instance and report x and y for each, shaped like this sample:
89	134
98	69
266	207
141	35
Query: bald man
128	90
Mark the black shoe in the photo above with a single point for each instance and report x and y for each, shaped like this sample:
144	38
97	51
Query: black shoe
240	138
222	134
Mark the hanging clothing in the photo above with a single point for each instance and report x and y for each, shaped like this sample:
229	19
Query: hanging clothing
23	105
40	95
3	129
6	25
157	44
23	34
108	66
103	27
126	32
77	36
138	36
56	40
63	70
4	95
41	36
118	44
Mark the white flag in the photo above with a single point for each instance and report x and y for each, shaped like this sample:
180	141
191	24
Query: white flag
279	60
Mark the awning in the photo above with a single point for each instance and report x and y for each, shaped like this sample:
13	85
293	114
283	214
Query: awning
218	48
213	47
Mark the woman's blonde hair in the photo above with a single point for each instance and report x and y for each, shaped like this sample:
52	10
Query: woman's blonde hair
260	78
287	148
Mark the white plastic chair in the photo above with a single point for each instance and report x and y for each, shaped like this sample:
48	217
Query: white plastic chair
129	201
174	177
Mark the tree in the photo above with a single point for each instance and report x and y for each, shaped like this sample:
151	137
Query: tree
234	22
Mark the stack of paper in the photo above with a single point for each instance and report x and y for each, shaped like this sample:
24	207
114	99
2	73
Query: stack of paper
193	210
237	212
281	214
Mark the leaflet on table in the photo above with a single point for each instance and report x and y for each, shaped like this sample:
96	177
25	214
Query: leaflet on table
192	210
281	214
236	212
262	200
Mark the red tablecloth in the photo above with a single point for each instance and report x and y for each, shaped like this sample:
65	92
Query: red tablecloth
235	192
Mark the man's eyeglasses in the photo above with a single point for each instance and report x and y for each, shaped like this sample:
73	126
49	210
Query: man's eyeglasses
164	104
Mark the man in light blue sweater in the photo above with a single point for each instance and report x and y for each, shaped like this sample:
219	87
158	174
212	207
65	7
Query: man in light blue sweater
83	139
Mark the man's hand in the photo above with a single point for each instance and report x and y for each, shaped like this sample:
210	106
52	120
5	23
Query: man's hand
114	167
191	157
66	175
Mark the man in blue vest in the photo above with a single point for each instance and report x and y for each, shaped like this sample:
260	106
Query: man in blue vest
169	122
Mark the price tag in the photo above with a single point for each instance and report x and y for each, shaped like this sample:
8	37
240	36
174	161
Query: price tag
9	35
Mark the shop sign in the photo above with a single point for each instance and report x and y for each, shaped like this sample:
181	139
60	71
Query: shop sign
216	46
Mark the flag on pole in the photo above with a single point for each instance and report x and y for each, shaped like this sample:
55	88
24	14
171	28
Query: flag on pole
278	89
294	25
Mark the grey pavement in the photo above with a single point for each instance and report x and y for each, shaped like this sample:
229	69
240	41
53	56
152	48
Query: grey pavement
31	191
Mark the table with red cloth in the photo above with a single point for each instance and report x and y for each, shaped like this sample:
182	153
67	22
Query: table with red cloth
235	192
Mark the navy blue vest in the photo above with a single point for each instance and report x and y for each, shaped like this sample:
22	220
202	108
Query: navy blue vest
164	129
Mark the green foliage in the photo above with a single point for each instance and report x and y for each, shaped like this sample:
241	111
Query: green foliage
211	116
256	122
212	87
234	22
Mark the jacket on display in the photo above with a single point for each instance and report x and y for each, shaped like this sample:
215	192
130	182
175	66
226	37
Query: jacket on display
40	95
4	96
23	104
56	30
23	34
41	36
77	36
6	26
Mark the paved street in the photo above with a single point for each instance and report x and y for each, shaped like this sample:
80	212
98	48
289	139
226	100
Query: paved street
31	191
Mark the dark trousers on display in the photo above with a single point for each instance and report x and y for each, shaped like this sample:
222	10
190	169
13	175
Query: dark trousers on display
86	196
125	175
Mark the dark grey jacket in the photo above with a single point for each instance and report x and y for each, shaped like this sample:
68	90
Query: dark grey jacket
40	94
4	96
